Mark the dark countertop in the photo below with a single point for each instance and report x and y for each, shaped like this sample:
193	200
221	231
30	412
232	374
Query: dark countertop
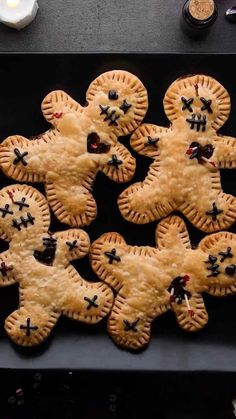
66	395
115	26
72	345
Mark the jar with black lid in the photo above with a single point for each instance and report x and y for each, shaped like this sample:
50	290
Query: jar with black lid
198	17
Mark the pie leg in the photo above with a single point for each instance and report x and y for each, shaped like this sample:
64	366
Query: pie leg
120	165
7	272
25	160
72	204
140	204
193	315
210	214
128	327
86	301
30	325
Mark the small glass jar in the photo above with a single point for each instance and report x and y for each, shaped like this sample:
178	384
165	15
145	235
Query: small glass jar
198	17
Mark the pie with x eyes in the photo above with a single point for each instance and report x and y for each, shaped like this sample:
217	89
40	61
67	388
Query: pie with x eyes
187	158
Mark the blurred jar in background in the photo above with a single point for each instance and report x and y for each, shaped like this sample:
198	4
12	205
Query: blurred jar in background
198	16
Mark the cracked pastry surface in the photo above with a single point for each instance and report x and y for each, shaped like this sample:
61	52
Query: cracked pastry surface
188	156
81	142
173	276
49	286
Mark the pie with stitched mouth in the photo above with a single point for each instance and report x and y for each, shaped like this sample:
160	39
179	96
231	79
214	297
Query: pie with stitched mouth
187	158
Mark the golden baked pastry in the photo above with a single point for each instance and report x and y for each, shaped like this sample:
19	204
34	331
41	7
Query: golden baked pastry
188	156
83	141
150	281
49	286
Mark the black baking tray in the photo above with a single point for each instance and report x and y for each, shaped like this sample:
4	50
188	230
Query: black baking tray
25	79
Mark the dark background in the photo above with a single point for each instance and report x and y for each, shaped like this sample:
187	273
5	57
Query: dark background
107	381
115	26
66	395
178	376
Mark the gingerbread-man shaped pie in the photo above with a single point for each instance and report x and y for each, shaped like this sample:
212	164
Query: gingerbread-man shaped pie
149	281
39	261
83	141
185	174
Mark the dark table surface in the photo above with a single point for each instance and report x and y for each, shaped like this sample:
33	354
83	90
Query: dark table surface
84	375
73	345
115	26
